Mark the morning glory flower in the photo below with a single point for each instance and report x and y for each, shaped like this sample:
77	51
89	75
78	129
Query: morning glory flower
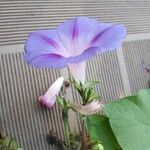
72	43
48	99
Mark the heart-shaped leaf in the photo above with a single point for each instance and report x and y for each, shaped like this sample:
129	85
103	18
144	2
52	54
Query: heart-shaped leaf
130	120
100	130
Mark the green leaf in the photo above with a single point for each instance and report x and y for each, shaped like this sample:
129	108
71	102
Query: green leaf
96	146
90	84
88	92
130	120
9	144
63	103
13	144
76	85
92	97
5	142
60	102
19	149
100	130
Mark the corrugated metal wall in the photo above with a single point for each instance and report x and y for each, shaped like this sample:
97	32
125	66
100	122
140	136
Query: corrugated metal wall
105	68
19	17
119	72
135	53
21	116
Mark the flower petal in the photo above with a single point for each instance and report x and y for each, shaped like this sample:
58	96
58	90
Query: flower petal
107	36
74	32
72	42
88	109
44	59
46	41
41	59
87	54
49	98
78	71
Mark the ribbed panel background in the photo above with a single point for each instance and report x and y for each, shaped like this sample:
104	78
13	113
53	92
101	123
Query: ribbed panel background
135	52
105	69
21	117
19	17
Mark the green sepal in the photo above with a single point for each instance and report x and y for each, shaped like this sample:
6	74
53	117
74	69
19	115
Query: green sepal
90	84
86	90
63	103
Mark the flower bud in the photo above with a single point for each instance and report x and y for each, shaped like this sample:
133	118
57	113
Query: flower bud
97	146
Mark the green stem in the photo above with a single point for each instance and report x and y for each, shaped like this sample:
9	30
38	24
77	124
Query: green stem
84	147
66	125
83	134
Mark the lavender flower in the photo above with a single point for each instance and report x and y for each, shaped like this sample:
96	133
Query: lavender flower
49	98
72	43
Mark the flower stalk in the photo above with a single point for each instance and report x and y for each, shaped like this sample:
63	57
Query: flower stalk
84	147
66	125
